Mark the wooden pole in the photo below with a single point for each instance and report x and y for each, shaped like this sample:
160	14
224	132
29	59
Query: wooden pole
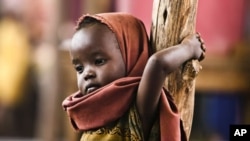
172	20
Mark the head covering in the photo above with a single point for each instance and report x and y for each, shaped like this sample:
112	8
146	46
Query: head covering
110	102
132	39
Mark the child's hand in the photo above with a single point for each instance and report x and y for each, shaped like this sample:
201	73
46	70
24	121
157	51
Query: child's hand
196	44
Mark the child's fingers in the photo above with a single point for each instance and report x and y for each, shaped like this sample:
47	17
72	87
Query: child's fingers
198	34
203	47
202	56
201	40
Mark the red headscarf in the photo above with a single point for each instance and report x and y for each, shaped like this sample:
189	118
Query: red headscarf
110	102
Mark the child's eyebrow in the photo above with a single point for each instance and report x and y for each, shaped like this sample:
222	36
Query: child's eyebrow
75	61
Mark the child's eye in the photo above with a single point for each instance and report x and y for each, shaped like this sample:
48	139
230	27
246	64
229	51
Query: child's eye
100	61
79	69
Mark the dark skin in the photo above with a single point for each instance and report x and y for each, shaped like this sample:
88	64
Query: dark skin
96	63
99	63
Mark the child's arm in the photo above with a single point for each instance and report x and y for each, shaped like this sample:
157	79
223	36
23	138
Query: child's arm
158	67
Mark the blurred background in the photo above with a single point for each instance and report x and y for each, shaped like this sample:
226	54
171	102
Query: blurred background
36	73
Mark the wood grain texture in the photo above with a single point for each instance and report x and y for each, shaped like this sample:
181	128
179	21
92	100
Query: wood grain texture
172	20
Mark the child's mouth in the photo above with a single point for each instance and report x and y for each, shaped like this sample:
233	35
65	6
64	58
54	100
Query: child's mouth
91	87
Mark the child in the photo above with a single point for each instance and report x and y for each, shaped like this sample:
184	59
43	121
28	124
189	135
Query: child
121	95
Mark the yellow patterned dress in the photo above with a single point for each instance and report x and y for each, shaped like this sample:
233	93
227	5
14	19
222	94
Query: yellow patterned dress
127	128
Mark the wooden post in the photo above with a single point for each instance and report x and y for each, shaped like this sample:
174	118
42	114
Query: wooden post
172	21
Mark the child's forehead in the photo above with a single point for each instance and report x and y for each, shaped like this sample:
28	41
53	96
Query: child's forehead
97	32
96	28
94	36
92	31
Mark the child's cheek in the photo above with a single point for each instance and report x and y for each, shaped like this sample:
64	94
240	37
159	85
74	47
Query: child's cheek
80	83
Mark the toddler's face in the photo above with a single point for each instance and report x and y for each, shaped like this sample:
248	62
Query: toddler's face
96	58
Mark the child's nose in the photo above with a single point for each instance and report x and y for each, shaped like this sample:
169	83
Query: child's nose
89	74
